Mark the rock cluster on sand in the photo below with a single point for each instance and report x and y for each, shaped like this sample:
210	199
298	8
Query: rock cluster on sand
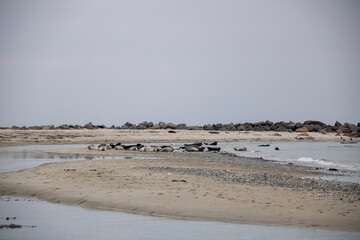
347	129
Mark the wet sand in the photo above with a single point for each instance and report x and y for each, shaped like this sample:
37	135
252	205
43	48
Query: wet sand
9	137
206	186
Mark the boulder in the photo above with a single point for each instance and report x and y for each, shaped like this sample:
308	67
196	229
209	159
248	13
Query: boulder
208	127
337	124
312	122
143	125
128	125
317	128
258	128
299	125
171	126
155	126
230	127
268	123
194	128
89	126
150	124
241	128
218	126
47	127
281	129
328	129
181	126
302	129
162	125
292	126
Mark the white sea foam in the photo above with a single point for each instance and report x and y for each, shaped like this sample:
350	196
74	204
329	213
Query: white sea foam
323	162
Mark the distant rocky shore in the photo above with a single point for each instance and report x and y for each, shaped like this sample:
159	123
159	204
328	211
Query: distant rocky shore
347	129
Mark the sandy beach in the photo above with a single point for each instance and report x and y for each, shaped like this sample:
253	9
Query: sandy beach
10	137
206	186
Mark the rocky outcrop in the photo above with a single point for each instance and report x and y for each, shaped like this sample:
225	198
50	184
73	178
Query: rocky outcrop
347	129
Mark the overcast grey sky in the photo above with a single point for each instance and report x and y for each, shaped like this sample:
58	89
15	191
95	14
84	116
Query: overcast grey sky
194	62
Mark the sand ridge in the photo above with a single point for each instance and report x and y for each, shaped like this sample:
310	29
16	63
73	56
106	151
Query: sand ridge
9	137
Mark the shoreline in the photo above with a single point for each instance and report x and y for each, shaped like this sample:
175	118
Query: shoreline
11	137
216	187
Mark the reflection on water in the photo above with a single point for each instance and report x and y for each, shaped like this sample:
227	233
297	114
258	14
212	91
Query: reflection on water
20	157
59	222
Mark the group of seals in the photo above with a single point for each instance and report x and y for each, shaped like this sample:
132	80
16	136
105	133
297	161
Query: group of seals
191	147
134	147
198	147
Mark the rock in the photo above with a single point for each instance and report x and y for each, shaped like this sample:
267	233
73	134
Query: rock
208	127
166	149
181	126
317	128
292	126
312	122
128	125
230	127
241	128
268	123
281	129
162	125
337	124
171	126
243	149
302	129
47	127
91	147
277	149
142	125
298	125
214	149
218	126
150	125
194	128
328	130
258	128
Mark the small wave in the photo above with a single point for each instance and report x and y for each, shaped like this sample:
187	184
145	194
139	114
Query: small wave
323	162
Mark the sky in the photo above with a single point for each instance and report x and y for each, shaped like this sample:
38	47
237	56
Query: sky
186	61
